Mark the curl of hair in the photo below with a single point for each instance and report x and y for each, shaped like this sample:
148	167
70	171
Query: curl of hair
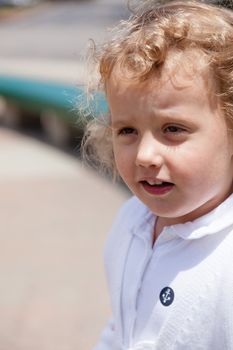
97	147
139	47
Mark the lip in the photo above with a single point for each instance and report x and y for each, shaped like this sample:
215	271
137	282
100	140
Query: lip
158	190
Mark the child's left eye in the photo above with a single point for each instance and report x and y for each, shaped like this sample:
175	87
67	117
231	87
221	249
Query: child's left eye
173	129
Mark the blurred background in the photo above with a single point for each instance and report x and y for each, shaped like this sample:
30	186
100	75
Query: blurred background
55	213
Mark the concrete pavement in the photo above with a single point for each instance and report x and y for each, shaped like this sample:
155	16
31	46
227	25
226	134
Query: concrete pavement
54	218
51	41
72	72
55	214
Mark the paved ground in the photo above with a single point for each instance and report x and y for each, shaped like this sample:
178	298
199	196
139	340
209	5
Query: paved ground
52	40
59	30
54	219
54	213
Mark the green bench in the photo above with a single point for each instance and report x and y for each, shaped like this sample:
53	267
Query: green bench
61	109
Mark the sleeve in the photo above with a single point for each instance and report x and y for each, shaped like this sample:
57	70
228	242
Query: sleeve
107	339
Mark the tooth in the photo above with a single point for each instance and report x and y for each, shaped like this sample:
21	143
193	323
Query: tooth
155	182
151	183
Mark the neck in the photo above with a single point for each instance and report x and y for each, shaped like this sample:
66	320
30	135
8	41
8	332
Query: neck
160	223
158	228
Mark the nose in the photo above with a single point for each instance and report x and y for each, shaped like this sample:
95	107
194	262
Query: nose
149	152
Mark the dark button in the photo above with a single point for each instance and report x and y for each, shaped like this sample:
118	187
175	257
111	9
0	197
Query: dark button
167	296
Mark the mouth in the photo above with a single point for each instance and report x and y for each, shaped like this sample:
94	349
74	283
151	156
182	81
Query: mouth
157	187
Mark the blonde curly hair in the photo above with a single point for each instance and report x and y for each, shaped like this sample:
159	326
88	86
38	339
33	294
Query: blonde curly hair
140	46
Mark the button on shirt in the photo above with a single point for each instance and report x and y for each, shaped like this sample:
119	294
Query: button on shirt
175	265
176	295
143	265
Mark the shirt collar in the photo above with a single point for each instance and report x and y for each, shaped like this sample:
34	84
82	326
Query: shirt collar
144	225
213	222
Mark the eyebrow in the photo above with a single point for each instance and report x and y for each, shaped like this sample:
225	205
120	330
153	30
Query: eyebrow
157	115
123	121
119	123
167	114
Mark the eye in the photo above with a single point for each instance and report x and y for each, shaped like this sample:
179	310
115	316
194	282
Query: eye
174	129
175	133
127	131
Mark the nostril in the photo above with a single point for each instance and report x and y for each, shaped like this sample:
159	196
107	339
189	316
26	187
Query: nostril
147	160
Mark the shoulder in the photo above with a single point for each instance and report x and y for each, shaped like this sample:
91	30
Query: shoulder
132	211
130	214
119	241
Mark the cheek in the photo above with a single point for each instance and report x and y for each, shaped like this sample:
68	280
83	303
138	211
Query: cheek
204	166
122	165
123	161
189	166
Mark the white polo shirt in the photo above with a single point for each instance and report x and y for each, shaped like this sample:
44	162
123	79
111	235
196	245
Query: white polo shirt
177	295
182	275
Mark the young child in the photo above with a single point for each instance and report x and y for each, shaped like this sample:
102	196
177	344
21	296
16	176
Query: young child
168	78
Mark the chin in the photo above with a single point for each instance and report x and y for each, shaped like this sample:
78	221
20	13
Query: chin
170	211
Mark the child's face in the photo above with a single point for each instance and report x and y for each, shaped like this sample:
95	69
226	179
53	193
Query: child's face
171	145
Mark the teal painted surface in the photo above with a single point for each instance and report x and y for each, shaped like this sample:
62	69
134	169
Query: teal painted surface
39	95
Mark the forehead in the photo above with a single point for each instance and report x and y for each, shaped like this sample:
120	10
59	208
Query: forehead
181	69
163	88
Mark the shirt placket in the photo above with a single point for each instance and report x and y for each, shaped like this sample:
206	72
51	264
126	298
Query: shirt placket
147	251
140	260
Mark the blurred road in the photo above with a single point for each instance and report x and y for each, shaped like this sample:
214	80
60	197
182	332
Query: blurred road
51	40
54	219
54	213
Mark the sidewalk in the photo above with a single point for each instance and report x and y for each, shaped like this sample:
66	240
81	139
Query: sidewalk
52	40
72	72
55	215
